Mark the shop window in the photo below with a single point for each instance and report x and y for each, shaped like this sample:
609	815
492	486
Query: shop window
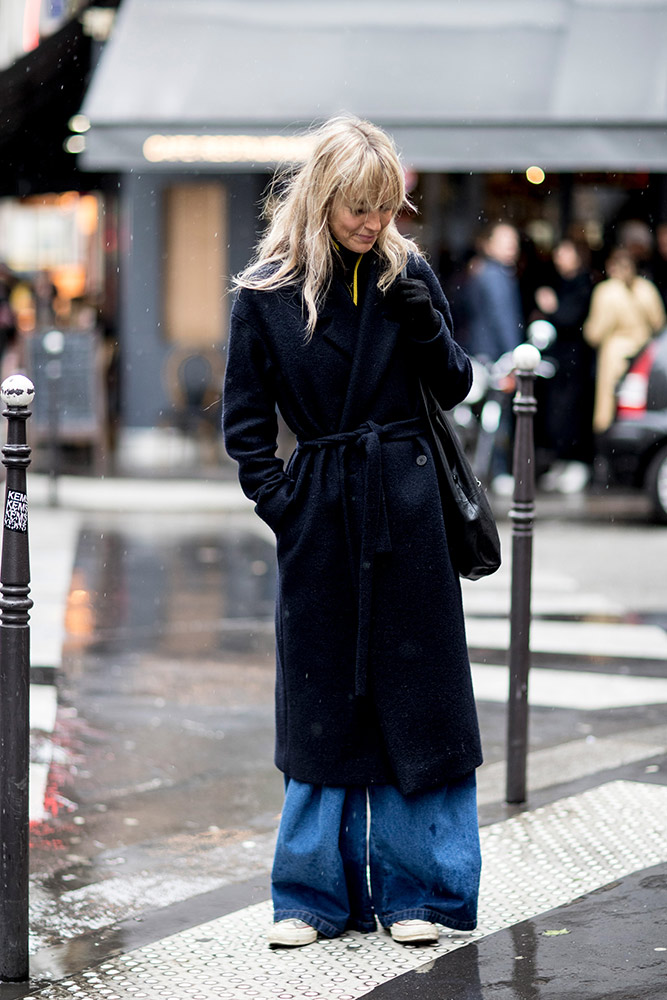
195	264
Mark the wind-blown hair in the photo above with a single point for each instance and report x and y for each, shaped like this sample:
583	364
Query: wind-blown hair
354	163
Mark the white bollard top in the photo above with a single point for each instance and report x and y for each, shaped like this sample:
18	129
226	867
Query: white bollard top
526	358
17	390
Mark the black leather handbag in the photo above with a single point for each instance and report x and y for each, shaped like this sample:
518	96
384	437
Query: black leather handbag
472	534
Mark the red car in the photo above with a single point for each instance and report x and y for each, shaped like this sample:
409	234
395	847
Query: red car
634	448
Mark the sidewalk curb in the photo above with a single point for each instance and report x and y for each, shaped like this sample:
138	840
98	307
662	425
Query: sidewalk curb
79	493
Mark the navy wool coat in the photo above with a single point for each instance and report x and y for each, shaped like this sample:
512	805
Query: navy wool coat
373	679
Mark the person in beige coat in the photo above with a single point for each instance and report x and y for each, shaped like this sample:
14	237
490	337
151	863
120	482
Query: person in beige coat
626	311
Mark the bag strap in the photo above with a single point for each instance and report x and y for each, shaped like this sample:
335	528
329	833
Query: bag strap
426	399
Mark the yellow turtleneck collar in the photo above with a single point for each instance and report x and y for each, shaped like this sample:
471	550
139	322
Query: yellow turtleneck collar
353	286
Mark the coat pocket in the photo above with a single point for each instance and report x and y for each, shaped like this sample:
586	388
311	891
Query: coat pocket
278	508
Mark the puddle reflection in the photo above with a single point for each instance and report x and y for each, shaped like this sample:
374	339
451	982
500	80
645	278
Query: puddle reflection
178	596
162	754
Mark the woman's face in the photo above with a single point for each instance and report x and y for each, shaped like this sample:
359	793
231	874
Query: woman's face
566	259
357	229
621	268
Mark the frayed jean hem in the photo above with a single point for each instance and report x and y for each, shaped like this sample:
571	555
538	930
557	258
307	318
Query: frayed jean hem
431	915
324	927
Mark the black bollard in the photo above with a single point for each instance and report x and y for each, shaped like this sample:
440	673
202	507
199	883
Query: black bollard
526	360
17	393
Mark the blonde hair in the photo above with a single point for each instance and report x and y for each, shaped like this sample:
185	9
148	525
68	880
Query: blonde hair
354	162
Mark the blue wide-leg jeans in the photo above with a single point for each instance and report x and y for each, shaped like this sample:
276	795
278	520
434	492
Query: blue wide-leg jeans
417	858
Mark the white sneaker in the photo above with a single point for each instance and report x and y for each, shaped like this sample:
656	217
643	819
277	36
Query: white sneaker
565	477
291	933
414	932
574	478
551	478
503	485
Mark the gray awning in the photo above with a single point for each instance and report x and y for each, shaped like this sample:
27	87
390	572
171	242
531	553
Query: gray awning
461	84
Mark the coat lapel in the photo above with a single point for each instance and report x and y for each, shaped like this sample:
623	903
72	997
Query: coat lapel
376	338
337	320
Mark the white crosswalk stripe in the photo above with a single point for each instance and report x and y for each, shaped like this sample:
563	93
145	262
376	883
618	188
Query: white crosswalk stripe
572	688
623	657
583	638
43	709
552	593
626	644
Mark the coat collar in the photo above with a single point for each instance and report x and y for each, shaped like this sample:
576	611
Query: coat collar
376	339
338	319
365	336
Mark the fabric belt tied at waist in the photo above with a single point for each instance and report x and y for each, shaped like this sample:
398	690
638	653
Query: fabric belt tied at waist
375	536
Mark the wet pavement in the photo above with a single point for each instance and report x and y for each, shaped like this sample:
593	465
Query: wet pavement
164	735
161	803
602	945
575	853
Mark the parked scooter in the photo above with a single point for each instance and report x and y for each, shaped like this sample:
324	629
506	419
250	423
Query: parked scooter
479	418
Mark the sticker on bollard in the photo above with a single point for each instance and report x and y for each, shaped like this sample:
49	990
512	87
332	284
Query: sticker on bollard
16	511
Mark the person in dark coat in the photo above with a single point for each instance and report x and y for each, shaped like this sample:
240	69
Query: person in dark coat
493	295
374	700
495	327
568	396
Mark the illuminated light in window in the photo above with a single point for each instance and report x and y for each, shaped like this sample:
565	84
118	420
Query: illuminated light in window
87	214
68	199
98	22
535	175
79	123
79	615
226	148
75	144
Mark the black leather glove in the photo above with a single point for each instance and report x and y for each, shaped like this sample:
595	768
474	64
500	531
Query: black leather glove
411	304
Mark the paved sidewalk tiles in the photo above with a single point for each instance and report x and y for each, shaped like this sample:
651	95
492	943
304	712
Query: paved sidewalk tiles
533	862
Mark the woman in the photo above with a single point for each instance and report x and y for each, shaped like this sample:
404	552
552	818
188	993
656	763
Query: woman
626	311
374	702
568	396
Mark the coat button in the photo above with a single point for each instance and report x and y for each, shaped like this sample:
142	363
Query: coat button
421	460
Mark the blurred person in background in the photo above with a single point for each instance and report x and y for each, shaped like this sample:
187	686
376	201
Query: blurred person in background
495	326
636	237
659	261
626	311
8	323
568	396
45	294
493	296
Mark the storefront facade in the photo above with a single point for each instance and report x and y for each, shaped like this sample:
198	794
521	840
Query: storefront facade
194	103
